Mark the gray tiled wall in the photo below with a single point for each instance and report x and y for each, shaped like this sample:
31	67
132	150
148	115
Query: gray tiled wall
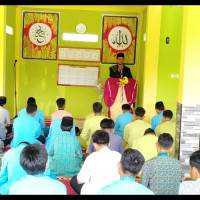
187	133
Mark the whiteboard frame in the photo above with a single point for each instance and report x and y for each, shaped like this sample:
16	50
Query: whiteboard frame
78	66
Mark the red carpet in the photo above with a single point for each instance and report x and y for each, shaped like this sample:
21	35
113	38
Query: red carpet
70	190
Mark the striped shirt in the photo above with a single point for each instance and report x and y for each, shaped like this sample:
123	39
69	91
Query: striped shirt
62	149
162	174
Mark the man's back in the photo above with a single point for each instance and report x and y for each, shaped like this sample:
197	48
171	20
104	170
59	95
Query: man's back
4	116
134	130
120	123
38	184
116	144
146	145
62	151
99	169
39	116
190	187
155	121
60	114
25	128
90	126
167	127
162	174
11	169
55	129
125	186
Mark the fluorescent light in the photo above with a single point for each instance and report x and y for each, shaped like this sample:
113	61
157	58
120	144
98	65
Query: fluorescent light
80	37
9	30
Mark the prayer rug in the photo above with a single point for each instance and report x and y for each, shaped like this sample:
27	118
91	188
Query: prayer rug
66	180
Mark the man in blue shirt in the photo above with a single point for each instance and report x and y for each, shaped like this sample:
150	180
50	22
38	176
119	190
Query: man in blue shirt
122	120
26	128
129	166
39	116
34	160
155	121
11	169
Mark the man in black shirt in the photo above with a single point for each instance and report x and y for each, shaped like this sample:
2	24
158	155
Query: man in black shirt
120	70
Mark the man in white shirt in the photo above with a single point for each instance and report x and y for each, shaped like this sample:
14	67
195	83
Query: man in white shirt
4	116
100	167
192	186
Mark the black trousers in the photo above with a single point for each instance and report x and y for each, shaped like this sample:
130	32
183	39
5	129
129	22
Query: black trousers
9	128
41	139
74	184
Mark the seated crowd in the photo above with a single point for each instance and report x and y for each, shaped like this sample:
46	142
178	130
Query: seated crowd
128	156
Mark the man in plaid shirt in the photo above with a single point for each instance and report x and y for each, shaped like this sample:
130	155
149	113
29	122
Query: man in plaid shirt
65	153
162	174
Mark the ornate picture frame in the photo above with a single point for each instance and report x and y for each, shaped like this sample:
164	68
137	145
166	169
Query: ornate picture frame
40	35
119	35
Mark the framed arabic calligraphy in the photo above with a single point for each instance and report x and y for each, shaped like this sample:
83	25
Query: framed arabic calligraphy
119	35
40	35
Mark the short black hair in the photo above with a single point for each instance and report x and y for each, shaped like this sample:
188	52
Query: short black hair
168	114
3	100
132	161
33	158
159	105
140	112
97	107
195	160
100	137
31	107
165	140
31	100
107	123
60	102
149	130
126	107
120	55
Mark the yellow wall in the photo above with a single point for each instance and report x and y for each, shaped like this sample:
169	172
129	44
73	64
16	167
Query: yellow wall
190	58
2	50
151	60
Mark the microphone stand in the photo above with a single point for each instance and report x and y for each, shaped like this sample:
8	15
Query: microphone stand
15	88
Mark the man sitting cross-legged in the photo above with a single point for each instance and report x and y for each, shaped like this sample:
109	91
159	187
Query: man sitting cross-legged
99	168
65	154
162	174
34	160
129	166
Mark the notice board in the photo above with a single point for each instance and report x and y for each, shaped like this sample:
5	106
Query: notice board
77	75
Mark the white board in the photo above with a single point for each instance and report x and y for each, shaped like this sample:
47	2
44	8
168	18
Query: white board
80	75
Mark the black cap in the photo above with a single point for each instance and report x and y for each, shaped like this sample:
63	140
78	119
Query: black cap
120	55
2	100
67	121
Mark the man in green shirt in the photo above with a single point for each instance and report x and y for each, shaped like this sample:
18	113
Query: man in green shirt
91	125
135	128
65	153
146	144
167	126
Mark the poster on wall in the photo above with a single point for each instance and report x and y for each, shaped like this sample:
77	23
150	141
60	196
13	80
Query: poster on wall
119	36
40	35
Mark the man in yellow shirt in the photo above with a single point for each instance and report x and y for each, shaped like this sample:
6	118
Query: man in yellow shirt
91	125
135	128
146	144
167	126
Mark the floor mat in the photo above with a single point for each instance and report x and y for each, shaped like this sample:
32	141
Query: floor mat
66	180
